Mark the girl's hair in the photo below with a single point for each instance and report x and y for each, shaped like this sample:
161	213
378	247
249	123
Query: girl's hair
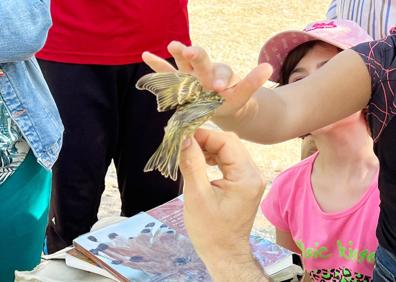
293	58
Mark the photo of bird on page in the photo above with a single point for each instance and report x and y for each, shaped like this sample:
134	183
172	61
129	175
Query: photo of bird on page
142	248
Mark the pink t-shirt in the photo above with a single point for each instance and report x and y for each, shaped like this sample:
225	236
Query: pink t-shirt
333	245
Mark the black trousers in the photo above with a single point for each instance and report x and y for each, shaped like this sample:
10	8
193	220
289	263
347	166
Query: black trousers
106	118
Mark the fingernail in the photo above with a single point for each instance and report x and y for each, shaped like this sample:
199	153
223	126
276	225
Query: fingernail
219	84
186	143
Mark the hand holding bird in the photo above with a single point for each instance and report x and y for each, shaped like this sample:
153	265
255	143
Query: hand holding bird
213	76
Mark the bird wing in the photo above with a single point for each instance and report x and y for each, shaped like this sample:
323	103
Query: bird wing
192	112
171	89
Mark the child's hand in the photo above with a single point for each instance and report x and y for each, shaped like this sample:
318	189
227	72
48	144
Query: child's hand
213	76
219	215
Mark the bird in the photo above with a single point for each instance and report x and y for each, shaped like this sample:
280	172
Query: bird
193	106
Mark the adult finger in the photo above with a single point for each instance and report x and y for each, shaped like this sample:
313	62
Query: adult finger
224	146
176	49
193	167
245	176
211	160
156	63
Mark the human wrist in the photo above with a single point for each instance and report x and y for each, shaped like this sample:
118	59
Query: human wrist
243	267
233	121
235	264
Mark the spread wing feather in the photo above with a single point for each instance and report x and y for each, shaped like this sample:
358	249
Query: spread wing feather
171	89
196	111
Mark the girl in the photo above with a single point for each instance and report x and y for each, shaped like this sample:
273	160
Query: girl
367	73
326	207
30	135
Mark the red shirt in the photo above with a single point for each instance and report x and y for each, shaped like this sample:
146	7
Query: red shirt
113	32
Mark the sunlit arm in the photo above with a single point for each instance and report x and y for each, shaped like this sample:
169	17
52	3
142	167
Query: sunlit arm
338	89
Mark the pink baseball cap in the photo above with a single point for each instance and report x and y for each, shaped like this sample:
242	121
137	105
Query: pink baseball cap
340	33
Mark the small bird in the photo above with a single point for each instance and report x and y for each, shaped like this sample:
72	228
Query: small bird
193	105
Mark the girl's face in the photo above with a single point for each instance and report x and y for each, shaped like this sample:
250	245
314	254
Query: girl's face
315	58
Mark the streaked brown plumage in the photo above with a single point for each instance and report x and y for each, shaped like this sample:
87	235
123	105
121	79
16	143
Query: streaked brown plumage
193	106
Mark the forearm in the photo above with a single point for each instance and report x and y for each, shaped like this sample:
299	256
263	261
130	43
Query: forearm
24	28
230	259
269	117
244	268
255	116
338	89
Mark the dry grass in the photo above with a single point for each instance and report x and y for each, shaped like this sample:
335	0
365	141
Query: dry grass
233	32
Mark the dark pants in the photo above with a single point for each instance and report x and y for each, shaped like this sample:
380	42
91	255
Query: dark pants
385	266
106	118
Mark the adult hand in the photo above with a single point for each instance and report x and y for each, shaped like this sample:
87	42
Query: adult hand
219	214
213	76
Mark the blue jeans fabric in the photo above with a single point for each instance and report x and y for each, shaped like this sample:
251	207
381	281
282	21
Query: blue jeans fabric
385	266
23	32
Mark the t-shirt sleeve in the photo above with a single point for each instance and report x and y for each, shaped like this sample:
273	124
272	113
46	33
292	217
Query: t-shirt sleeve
272	207
380	59
332	10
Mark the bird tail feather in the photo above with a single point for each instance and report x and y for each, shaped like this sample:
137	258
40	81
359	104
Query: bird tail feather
166	157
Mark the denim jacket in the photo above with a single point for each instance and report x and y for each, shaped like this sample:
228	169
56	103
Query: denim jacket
23	30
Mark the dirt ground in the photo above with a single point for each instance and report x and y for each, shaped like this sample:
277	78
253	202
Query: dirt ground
233	32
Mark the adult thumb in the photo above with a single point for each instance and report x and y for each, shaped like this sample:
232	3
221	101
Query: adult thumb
193	166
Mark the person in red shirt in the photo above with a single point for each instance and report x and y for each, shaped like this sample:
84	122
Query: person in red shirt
91	61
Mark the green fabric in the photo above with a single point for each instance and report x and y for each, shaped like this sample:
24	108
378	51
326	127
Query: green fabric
24	201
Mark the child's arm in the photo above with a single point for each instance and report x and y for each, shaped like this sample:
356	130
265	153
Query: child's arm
338	89
285	239
23	29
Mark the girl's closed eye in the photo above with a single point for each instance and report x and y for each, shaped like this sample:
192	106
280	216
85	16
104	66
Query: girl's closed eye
296	78
309	63
298	73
